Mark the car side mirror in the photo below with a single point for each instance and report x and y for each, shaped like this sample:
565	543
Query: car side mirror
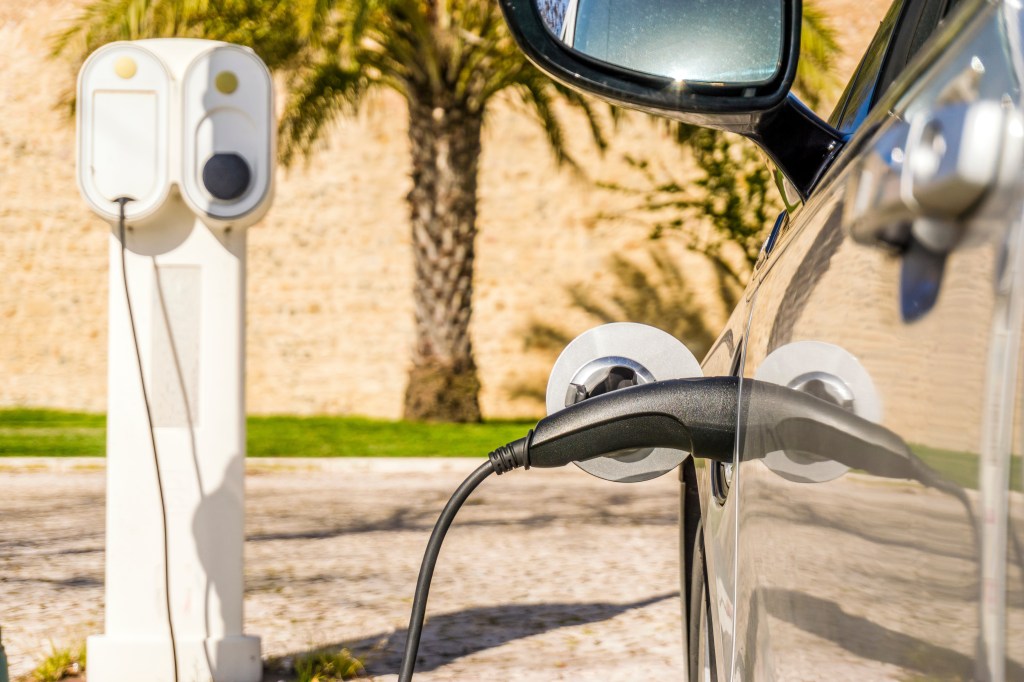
725	64
670	55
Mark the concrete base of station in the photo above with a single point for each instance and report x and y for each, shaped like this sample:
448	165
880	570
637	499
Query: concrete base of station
117	658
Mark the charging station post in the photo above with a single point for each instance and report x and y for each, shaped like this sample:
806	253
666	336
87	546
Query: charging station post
176	150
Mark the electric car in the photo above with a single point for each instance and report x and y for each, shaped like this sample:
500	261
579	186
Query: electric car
891	288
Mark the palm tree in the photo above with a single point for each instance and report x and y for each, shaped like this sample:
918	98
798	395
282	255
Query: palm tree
448	59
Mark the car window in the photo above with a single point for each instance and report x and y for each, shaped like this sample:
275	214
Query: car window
919	20
902	33
857	99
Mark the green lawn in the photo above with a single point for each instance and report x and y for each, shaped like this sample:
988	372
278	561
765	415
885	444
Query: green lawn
284	436
33	433
37	433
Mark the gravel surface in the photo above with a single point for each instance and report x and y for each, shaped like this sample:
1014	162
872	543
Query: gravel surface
546	575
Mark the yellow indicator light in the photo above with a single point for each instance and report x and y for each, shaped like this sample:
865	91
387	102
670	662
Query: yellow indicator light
125	67
226	82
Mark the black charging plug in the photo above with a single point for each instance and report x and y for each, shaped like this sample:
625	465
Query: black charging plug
695	415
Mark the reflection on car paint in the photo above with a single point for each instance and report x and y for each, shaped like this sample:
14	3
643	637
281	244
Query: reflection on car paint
864	576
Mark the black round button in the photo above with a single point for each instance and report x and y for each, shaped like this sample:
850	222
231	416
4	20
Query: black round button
226	176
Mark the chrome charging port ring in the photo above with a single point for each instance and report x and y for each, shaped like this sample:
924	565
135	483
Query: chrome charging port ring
611	357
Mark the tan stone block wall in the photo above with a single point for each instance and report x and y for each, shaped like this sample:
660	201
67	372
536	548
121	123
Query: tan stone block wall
329	309
52	251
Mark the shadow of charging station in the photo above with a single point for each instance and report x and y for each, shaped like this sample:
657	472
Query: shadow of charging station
176	151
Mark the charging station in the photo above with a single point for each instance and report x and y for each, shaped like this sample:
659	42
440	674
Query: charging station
176	150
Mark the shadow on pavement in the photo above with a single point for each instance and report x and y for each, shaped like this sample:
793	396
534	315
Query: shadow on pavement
450	636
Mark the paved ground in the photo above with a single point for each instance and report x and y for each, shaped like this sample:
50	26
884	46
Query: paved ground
546	575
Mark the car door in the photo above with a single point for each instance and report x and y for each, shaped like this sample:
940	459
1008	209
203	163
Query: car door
907	312
708	516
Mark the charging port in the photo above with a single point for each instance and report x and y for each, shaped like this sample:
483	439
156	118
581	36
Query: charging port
605	375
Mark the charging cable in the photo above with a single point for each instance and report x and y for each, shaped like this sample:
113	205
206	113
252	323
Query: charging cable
700	416
419	600
590	429
121	202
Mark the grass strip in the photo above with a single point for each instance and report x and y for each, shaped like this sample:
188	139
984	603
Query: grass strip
287	436
51	433
54	433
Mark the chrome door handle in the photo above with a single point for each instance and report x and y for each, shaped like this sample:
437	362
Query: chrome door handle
921	179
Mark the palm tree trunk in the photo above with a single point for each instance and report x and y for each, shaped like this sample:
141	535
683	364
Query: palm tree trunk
445	144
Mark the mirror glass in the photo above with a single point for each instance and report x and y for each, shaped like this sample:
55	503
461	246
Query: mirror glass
733	42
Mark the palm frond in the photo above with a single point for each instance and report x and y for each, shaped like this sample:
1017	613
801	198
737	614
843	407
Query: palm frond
541	335
538	96
102	22
816	80
318	96
267	26
584	105
652	288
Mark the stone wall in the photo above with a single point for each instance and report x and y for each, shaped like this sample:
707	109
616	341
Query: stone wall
329	310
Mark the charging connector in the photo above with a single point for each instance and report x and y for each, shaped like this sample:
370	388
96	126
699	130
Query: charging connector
694	415
514	455
682	413
699	416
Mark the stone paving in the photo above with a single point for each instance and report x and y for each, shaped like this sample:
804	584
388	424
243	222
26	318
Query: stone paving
546	575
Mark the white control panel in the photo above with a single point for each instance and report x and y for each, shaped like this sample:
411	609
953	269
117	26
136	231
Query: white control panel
124	105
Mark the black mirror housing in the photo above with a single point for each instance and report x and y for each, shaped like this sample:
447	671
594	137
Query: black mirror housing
799	143
707	104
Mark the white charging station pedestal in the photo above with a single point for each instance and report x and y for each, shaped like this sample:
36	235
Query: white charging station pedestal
185	130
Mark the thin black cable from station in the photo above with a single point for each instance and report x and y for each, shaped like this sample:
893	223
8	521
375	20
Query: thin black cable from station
121	202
